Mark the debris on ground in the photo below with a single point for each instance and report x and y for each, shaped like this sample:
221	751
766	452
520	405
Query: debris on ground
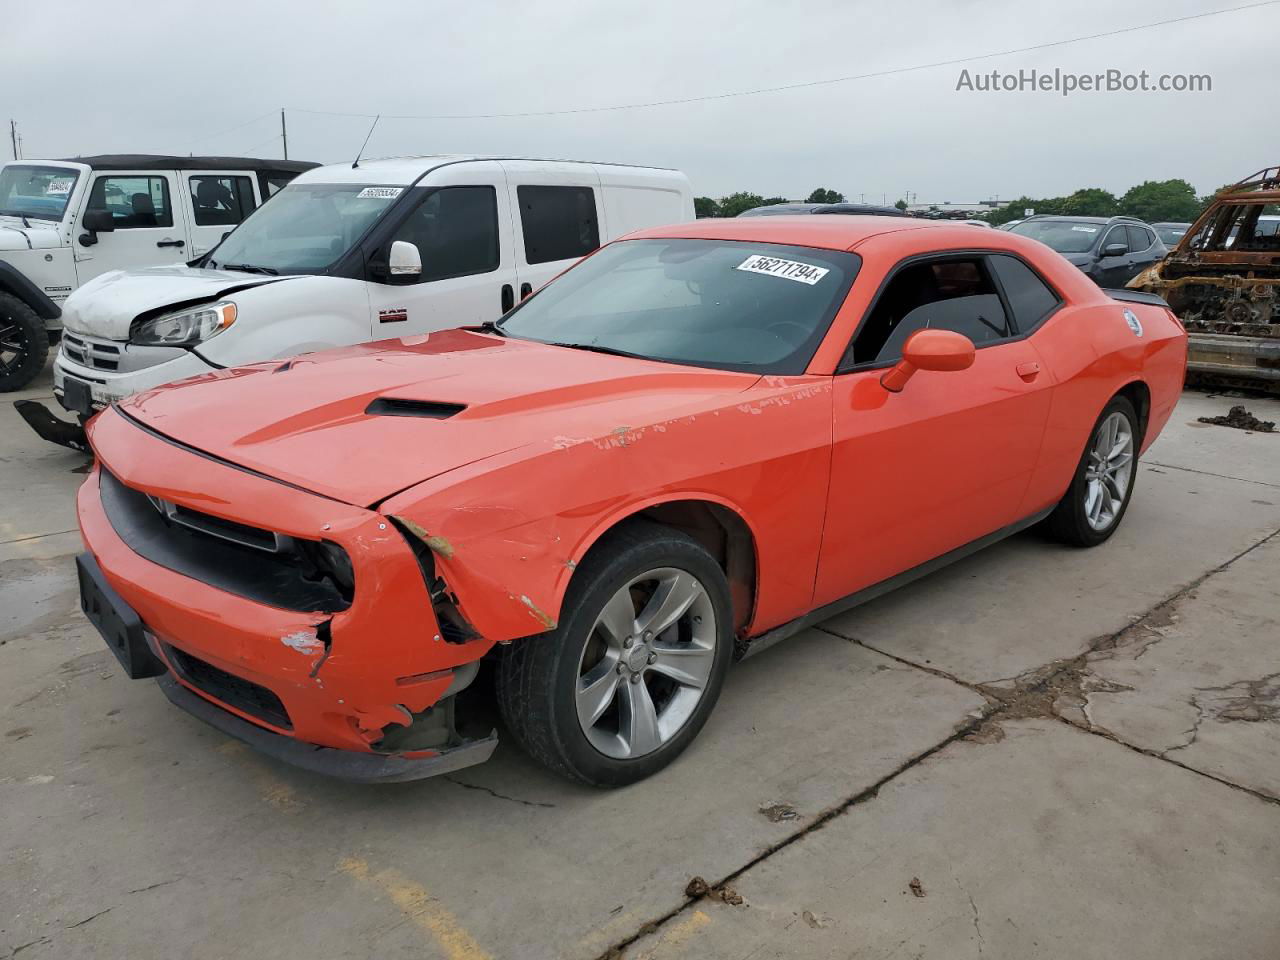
1241	419
917	888
818	923
779	812
699	889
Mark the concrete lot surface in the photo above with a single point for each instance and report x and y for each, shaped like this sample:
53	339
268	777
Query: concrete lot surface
1038	752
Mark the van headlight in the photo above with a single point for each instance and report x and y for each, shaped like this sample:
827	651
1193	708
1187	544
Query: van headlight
186	328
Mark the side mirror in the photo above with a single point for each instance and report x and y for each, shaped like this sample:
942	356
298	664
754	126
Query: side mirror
405	262
929	350
1114	250
95	222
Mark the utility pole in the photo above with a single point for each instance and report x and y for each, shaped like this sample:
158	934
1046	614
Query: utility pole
13	137
284	134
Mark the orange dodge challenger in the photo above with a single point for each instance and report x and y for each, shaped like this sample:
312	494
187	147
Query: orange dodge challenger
687	447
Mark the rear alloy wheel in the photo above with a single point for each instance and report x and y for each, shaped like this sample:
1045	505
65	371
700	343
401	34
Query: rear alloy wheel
24	344
630	675
1103	483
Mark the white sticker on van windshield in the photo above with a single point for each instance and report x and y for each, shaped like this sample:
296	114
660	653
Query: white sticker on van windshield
1079	229
787	269
379	193
59	187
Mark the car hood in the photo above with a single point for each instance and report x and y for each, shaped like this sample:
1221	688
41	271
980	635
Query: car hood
41	235
362	423
107	305
1079	259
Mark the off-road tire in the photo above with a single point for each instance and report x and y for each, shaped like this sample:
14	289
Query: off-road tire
19	324
1068	522
536	677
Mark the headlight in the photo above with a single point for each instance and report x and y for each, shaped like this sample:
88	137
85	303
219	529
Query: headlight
187	328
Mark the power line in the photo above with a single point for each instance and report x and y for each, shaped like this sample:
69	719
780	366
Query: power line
238	126
803	85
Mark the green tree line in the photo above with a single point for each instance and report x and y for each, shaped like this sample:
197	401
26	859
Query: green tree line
1153	201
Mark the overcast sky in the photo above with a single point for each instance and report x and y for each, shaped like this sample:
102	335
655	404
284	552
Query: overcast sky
168	76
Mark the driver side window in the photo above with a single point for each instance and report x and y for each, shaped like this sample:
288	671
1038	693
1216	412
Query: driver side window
134	201
950	294
456	232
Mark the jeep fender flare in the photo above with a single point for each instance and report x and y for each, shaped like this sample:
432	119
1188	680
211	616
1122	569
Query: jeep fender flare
16	283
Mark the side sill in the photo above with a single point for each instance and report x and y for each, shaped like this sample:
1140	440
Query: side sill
766	640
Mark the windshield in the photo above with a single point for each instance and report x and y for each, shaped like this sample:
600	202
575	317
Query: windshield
40	192
1065	236
305	228
1171	233
758	307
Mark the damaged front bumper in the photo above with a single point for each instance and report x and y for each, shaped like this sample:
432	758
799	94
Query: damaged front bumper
364	690
350	765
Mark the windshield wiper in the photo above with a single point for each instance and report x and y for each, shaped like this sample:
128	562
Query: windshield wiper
490	327
250	268
597	348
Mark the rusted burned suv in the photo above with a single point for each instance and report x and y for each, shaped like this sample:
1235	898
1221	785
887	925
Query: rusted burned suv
1223	282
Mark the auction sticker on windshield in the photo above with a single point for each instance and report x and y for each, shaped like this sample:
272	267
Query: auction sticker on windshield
787	269
61	186
379	193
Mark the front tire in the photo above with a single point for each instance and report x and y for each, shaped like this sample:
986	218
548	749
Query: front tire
627	679
1102	486
24	344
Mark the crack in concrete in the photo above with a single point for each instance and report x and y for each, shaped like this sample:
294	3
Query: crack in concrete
81	923
1209	473
494	793
38	941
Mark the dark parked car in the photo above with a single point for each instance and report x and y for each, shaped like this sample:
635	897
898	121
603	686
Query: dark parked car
1110	250
857	209
1170	233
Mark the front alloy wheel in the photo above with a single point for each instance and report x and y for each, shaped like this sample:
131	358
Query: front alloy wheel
646	663
628	677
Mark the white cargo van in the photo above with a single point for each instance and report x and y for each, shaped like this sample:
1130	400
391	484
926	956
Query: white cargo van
346	254
64	222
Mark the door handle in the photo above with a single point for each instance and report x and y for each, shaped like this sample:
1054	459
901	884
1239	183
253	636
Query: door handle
171	243
1028	370
525	290
508	297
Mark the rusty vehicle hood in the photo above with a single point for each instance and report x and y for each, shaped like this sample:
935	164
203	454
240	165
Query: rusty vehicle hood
362	423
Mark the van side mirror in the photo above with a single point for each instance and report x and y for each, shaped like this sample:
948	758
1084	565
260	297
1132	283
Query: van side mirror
95	222
929	350
405	262
1114	250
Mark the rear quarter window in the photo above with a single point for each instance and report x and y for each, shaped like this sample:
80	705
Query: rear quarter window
1030	298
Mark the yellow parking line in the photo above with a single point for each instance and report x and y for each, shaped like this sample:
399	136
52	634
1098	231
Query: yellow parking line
677	934
420	907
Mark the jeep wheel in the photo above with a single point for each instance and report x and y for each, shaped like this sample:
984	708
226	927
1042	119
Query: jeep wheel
24	344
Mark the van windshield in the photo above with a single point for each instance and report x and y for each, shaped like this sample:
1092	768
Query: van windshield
39	192
305	228
732	305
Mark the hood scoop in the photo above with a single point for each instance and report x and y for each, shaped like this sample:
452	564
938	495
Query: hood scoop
425	409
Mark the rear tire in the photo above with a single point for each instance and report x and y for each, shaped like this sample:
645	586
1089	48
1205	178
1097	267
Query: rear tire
24	344
629	676
1102	486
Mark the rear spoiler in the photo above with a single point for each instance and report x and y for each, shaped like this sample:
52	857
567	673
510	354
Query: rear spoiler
1136	296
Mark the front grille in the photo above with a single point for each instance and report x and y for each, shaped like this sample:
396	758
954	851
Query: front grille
222	553
90	352
244	695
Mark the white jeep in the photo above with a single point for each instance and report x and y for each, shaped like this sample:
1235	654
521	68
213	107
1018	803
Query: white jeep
64	222
346	254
